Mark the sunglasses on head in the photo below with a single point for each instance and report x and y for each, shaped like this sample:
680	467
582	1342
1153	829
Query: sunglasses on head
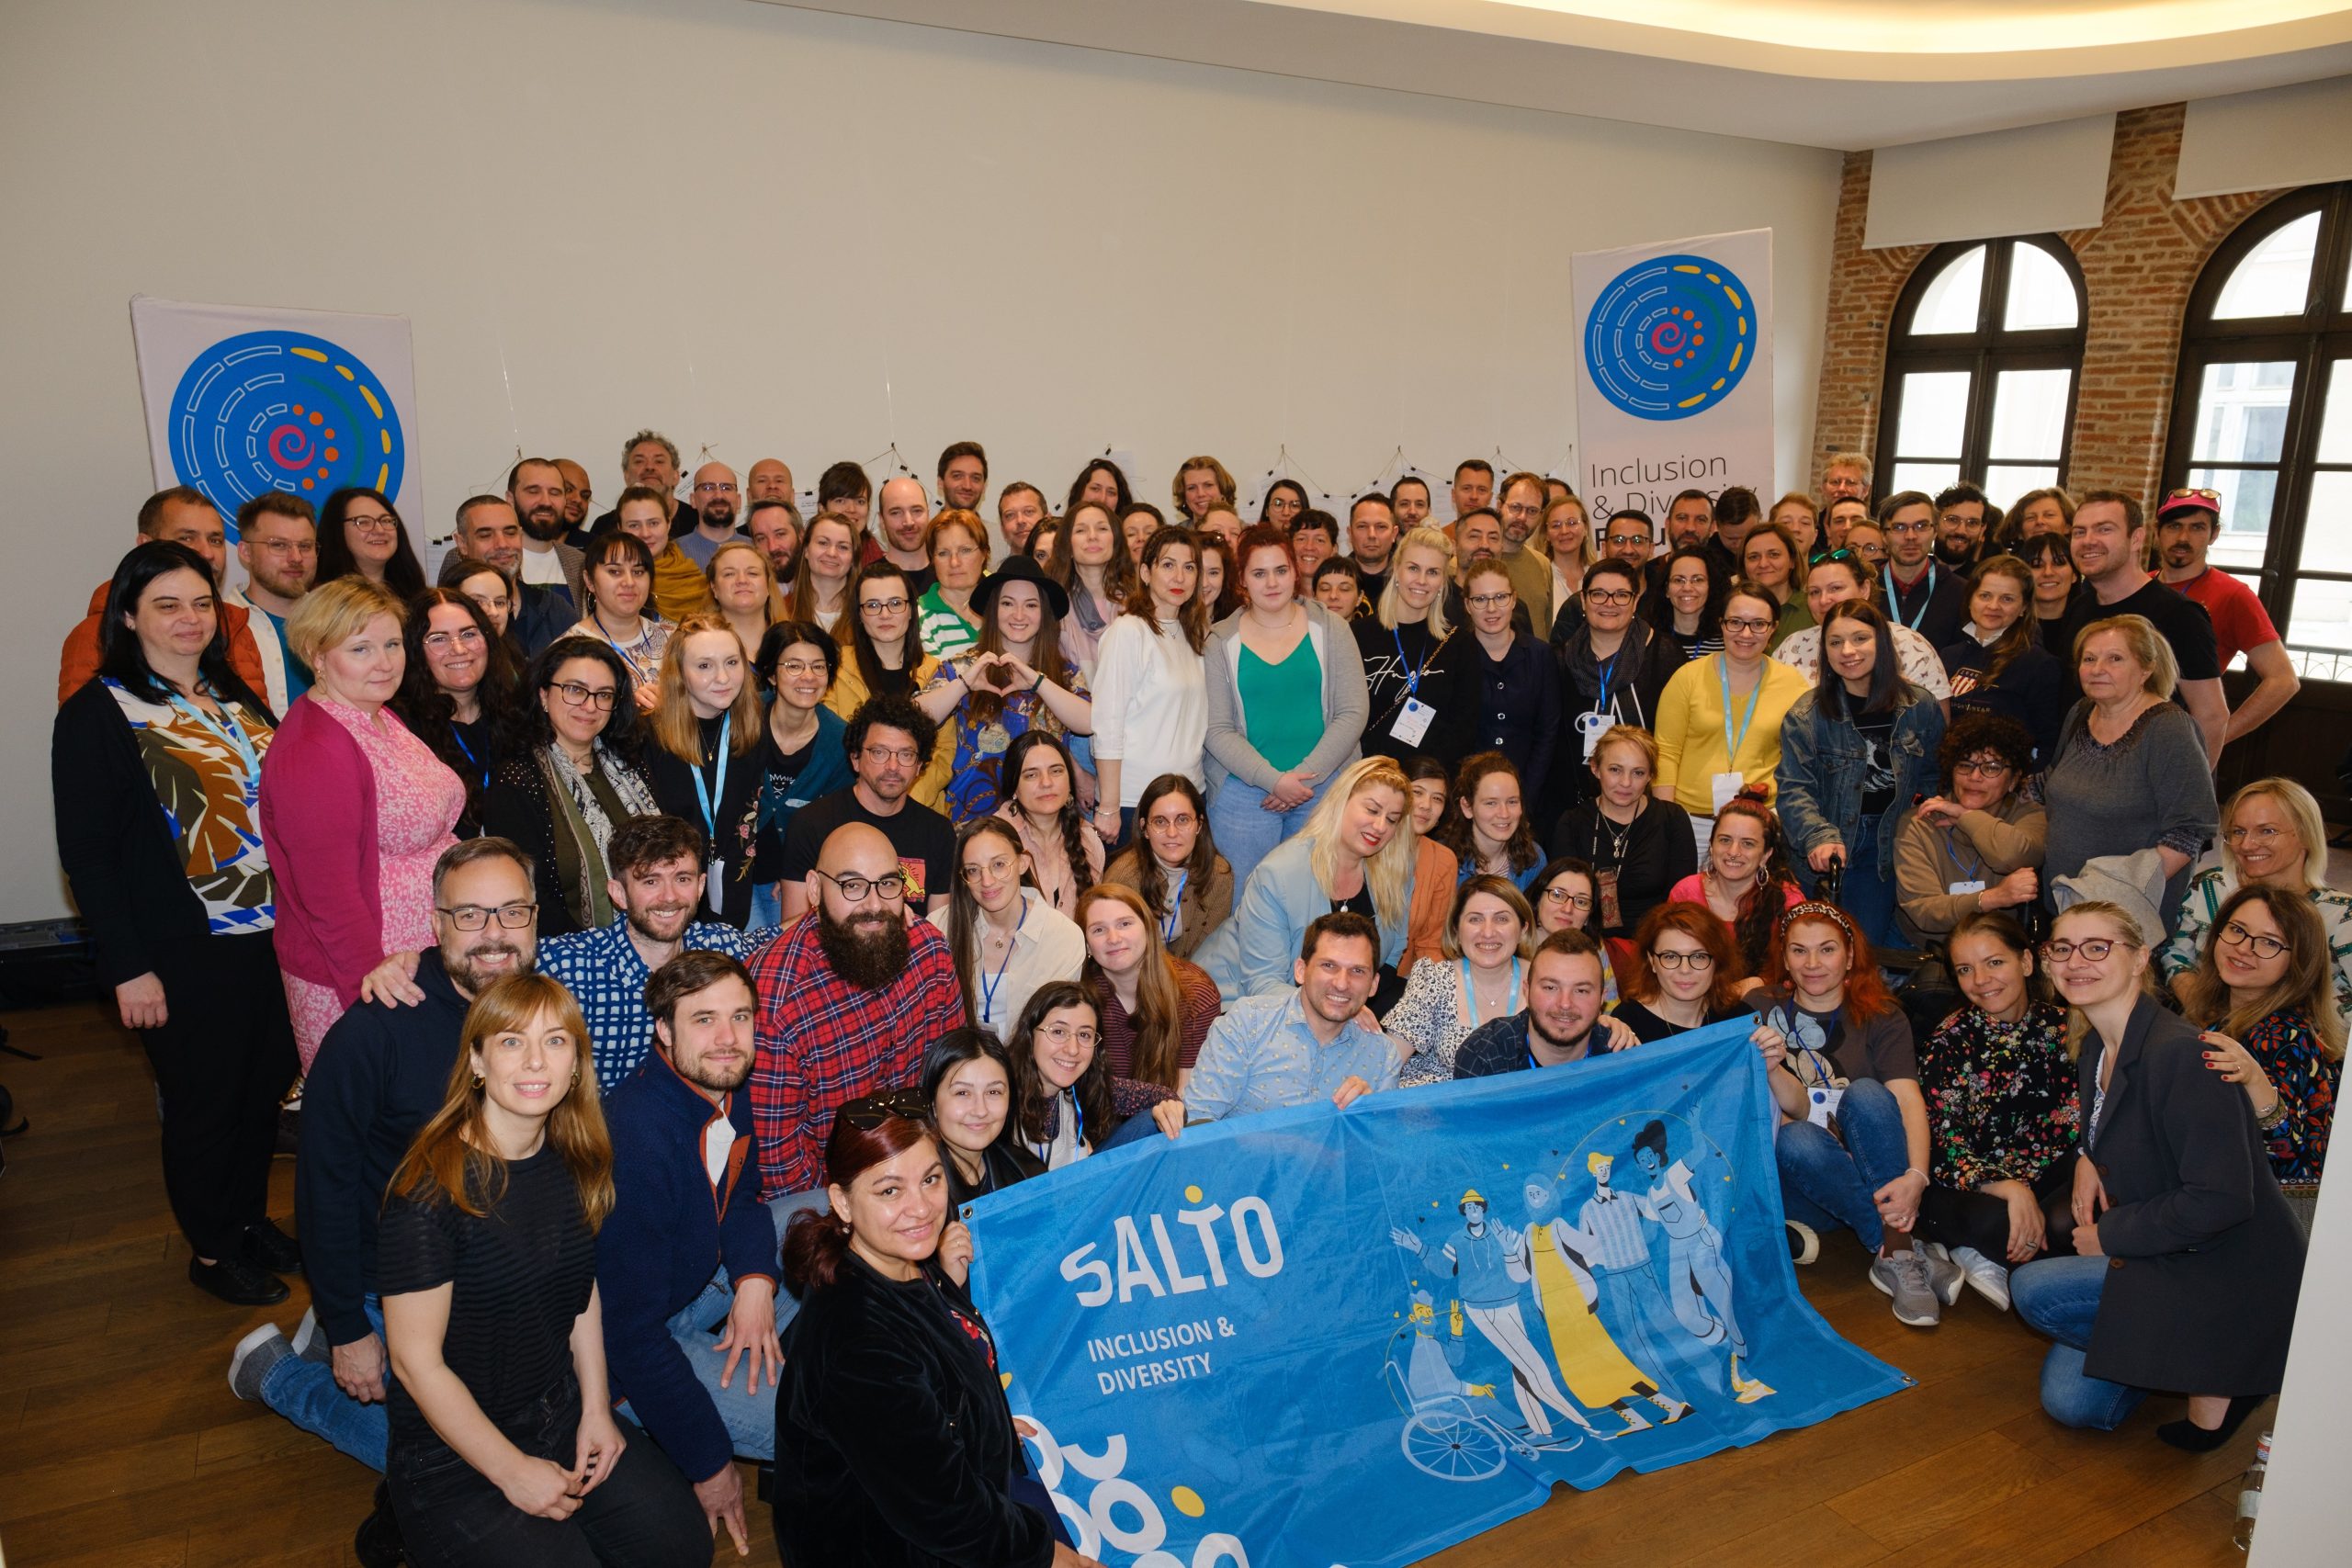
868	1112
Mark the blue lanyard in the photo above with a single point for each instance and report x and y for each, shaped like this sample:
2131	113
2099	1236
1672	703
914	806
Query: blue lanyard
708	795
1731	743
1169	922
460	737
990	983
1609	671
1044	1147
1951	847
230	734
1894	604
1413	676
1470	996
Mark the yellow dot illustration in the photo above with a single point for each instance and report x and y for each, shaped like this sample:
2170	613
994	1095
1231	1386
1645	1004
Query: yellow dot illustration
1005	1379
1191	1194
1188	1502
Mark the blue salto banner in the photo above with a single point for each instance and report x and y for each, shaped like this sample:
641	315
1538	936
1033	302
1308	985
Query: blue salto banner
1343	1340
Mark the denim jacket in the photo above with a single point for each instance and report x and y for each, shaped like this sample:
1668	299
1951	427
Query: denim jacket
1818	784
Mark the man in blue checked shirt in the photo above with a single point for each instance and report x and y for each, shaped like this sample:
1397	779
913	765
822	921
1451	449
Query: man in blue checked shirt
1297	1047
656	886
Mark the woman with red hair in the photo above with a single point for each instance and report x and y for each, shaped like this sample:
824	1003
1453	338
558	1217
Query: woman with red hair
1854	1149
1684	972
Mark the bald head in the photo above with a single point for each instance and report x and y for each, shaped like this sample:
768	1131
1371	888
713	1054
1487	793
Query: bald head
904	510
714	497
770	480
862	895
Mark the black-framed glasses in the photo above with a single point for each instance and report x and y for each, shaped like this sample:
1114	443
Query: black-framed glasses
868	1112
891	887
581	696
1701	959
1609	595
473	917
883	606
2264	946
1573	900
1490	601
1981	767
2095	948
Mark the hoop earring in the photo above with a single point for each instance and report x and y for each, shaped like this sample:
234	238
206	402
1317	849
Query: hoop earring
477	1080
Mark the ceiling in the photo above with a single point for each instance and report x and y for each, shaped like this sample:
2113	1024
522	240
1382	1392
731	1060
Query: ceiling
1837	73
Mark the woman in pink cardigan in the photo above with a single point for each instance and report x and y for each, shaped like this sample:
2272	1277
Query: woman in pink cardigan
355	811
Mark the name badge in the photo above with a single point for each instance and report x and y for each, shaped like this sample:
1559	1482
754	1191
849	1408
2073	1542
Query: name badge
1724	786
1821	1104
715	884
1959	888
1412	721
1592	726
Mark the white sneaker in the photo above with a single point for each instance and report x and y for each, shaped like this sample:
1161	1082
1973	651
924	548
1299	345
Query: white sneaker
311	1341
1986	1277
255	1354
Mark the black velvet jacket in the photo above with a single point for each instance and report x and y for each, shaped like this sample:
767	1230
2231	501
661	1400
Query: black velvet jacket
894	1446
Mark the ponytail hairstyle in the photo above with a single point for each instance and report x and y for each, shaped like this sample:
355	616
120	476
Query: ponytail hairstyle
1072	820
1029	1094
816	1243
1158	1018
1759	911
2024	632
1193	619
453	1160
964	917
1151	878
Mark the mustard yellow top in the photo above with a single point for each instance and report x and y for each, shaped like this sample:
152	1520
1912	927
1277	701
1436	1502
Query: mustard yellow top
1693	730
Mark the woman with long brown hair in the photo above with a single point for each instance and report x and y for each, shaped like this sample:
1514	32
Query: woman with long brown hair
1186	886
882	652
703	763
457	692
1151	687
828	559
487	1260
1999	665
1154	1009
1014	677
1006	939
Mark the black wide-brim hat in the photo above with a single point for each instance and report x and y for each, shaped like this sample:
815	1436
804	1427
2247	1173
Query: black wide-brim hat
1020	569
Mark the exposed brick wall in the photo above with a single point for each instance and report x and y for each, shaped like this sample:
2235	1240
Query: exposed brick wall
2138	267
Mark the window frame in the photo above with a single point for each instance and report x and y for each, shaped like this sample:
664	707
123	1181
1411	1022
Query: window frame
2311	341
1984	353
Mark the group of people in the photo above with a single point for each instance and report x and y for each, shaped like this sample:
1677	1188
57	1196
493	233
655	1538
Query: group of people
663	923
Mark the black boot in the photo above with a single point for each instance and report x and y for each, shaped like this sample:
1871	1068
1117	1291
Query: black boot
236	1281
2186	1434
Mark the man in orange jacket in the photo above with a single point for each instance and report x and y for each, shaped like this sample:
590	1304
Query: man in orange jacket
181	515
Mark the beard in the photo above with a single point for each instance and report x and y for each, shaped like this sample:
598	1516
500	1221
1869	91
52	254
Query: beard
470	974
1560	1042
544	524
866	951
720	513
717	1080
1955	552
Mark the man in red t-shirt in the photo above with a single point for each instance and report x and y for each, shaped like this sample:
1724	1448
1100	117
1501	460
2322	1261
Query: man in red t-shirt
2186	524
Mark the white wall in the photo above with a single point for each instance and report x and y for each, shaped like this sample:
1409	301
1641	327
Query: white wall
771	230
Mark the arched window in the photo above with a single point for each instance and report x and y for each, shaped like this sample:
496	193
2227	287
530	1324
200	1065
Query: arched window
1982	359
2262	413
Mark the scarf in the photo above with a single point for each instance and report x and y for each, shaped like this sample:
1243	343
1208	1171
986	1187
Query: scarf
1582	668
584	808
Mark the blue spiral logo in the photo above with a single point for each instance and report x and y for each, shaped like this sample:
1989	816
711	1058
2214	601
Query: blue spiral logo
283	410
1670	337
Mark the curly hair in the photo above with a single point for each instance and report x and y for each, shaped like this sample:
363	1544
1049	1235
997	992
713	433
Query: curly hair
1454	832
1976	729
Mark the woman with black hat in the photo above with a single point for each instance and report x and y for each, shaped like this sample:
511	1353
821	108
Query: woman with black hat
1016	677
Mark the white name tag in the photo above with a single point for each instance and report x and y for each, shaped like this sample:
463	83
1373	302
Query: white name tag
1821	1104
716	885
1593	726
1412	721
1958	888
1724	786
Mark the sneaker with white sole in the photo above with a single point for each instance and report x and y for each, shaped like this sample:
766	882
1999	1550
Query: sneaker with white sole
1903	1276
1986	1277
1804	1243
250	1362
311	1341
1945	1277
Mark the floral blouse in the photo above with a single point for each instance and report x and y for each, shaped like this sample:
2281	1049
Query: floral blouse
2001	1097
2299	1069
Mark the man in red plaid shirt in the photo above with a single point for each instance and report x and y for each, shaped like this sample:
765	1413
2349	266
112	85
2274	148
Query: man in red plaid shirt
850	995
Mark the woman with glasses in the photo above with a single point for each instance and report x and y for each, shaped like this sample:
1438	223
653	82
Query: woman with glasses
967	1080
957	544
2002	1113
1186	886
882	653
361	535
892	1436
2272	836
802	754
1867	540
1566	895
1411	652
1720	717
1509	680
2264	989
1613	669
1686	603
704	762
820	591
1062	1104
573	770
156	770
617	573
1005	937
1854	752
1683	974
458	695
1284	500
1639	846
2130	769
1975	843
2188	1260
354	809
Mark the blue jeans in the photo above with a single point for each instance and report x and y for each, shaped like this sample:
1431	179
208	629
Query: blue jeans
1866	896
2059	1297
787	1305
305	1393
1246	832
1134	1129
767	907
1828	1181
748	1414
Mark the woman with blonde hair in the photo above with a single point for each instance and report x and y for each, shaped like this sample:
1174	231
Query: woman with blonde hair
742	587
1357	852
2272	836
704	764
1568	544
1411	654
504	1447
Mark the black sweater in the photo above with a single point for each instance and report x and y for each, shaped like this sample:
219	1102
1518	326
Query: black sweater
737	811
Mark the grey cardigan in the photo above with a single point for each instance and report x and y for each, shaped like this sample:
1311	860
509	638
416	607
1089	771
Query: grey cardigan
1346	704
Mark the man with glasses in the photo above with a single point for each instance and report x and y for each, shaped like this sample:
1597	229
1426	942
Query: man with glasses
1521	511
1847	476
656	886
714	499
1964	518
534	490
381	1073
1613	667
1921	592
1629	536
2187	524
2109	541
888	741
1837	577
180	515
850	998
278	542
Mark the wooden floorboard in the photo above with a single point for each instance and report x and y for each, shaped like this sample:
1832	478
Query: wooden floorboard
122	1445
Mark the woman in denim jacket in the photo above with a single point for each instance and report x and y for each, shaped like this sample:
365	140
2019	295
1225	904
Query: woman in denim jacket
1854	752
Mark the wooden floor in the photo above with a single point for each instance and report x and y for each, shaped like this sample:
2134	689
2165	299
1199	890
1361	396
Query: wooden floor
122	1445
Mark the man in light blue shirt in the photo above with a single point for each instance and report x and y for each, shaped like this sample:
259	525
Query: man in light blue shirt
1297	1047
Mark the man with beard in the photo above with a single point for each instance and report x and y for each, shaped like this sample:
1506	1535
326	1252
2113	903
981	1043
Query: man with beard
656	884
686	1261
1921	595
903	513
714	497
277	541
1962	516
1690	524
850	996
1410	496
1629	536
577	498
887	741
962	477
2186	525
534	490
1478	536
650	458
381	1073
1520	507
180	515
2109	542
489	531
775	526
1563	1003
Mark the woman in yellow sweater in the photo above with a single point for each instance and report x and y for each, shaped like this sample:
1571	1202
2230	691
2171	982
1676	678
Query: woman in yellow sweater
1719	717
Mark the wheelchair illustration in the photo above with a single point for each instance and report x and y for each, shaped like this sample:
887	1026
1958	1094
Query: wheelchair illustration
1449	1437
